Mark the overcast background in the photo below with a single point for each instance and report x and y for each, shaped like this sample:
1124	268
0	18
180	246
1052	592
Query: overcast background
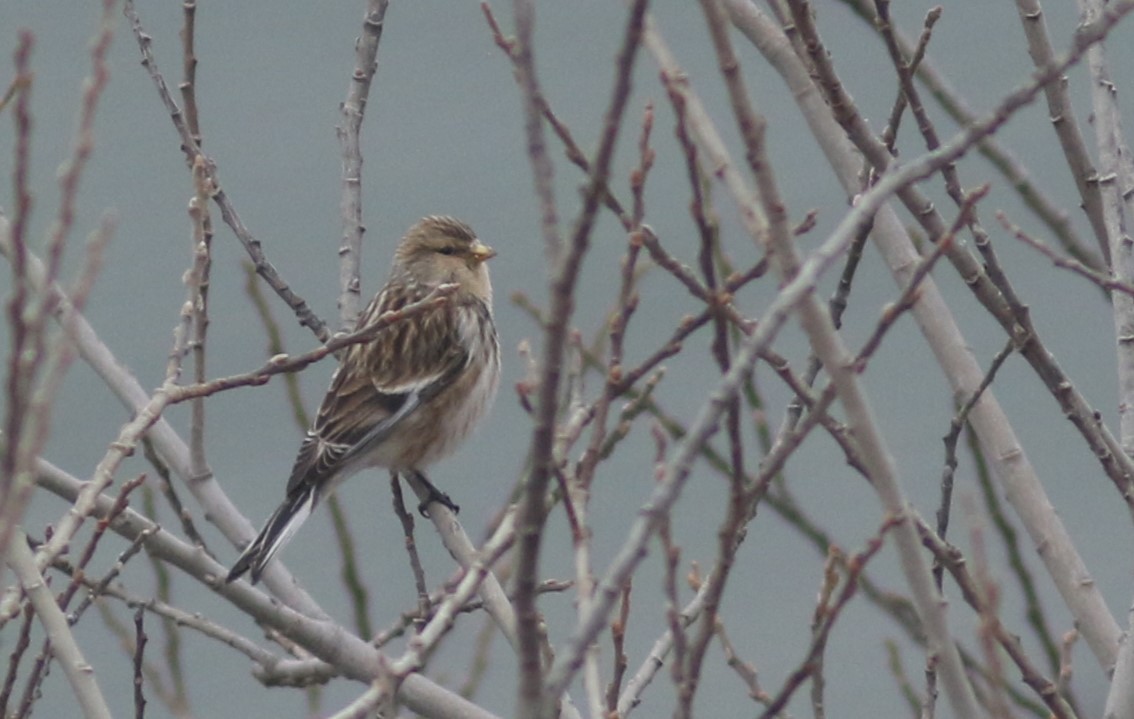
443	135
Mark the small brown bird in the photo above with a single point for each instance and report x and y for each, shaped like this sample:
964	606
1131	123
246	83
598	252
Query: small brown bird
408	397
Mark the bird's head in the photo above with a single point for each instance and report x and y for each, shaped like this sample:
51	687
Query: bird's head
440	250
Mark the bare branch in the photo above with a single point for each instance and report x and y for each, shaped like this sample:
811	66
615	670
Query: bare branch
79	672
350	132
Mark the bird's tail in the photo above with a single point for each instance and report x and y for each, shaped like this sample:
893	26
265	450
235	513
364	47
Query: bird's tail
276	533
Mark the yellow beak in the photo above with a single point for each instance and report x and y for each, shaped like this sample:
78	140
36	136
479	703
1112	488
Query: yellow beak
481	251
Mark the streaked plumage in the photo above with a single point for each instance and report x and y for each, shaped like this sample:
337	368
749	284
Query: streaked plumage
412	394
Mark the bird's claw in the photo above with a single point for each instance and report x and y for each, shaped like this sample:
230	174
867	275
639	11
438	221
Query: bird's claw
441	498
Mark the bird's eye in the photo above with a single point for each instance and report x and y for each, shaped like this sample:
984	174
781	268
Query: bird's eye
448	250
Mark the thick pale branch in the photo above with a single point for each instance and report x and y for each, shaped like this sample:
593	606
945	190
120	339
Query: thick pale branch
1023	488
1063	120
79	672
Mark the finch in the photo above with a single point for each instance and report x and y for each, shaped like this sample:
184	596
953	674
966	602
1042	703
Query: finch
409	396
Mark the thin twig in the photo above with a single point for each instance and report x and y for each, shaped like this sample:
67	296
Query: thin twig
252	246
349	133
140	640
287	363
188	84
953	561
424	606
23	641
826	618
1104	280
565	262
959	421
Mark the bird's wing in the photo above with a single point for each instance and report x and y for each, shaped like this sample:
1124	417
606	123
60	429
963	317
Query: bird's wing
381	382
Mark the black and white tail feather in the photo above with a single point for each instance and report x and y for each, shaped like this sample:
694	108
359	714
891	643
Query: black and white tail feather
283	523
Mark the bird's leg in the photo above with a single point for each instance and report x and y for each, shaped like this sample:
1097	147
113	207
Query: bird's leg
435	495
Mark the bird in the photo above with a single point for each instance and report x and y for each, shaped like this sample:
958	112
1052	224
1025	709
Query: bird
409	396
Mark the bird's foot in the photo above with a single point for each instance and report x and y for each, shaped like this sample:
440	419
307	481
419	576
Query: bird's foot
435	495
440	497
